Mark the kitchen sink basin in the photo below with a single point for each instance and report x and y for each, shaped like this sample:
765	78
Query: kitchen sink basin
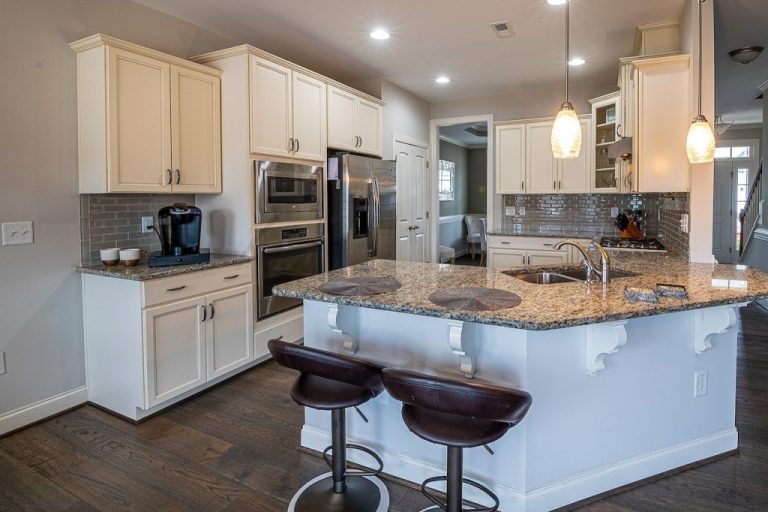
561	276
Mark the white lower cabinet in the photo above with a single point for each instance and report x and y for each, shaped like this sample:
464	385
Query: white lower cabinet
520	251
150	343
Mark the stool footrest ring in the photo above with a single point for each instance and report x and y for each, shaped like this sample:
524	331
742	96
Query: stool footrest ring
431	494
328	460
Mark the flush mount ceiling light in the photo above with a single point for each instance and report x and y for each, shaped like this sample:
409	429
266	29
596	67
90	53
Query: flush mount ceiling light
566	132
380	34
557	2
577	61
442	79
745	55
700	143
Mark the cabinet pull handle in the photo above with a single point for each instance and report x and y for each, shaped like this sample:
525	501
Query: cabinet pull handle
297	145
232	277
168	176
559	184
177	288
522	185
290	145
178	176
205	315
505	243
213	312
554	184
361	142
548	245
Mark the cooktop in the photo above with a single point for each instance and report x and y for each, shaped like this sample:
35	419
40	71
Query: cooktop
634	244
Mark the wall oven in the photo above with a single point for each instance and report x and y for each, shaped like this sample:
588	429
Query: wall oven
288	192
285	254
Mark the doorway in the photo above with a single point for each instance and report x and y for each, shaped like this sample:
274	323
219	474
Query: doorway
736	164
462	197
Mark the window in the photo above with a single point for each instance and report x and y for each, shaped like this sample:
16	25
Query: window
732	152
446	176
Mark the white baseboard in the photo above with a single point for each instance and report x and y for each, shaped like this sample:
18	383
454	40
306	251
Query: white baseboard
557	494
37	411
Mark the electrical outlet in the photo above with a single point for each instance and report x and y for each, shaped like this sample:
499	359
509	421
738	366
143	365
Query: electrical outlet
699	383
17	233
684	223
614	211
509	211
521	211
2	363
146	224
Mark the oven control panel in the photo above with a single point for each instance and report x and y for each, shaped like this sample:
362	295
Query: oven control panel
294	233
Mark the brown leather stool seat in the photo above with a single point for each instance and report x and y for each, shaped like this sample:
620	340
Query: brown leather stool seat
334	382
458	414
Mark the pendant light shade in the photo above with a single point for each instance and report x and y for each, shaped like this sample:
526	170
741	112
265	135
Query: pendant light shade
566	133
700	144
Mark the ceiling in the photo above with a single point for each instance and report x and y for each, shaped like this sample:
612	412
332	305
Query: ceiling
432	37
458	133
740	23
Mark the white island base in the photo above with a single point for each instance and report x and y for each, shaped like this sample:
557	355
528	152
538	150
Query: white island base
613	403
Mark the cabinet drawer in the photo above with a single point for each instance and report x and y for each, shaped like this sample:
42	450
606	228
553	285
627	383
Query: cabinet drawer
528	243
194	283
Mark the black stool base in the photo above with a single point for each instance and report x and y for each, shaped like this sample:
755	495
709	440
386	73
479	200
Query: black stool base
362	494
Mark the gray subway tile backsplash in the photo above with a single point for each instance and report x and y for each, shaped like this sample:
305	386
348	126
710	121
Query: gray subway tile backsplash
589	215
114	220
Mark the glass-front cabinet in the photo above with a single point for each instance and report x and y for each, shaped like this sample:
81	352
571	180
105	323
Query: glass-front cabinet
606	111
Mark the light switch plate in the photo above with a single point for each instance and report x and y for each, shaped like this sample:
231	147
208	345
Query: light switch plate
521	211
17	233
614	212
509	211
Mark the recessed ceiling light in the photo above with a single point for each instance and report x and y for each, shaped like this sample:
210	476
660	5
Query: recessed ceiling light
576	61
380	34
556	2
442	79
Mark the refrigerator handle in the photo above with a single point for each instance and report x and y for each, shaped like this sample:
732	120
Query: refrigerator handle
371	216
377	211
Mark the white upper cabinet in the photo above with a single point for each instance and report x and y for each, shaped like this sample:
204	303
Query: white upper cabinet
354	123
541	166
287	112
661	120
574	173
510	159
147	122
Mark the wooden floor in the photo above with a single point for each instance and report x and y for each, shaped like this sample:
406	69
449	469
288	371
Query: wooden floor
234	448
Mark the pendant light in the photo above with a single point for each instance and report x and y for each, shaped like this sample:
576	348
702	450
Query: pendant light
566	132
700	144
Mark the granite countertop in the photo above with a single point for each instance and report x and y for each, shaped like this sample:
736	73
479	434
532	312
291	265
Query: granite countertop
142	271
546	307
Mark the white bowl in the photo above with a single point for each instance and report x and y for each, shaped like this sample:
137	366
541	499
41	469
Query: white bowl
110	257
130	257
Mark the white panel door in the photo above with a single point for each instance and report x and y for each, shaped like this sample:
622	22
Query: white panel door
505	258
139	123
412	193
535	258
229	332
341	119
724	221
510	159
174	350
368	127
309	121
575	174
541	166
271	116
195	131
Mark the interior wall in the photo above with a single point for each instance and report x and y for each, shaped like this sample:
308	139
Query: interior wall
477	181
460	157
404	114
41	318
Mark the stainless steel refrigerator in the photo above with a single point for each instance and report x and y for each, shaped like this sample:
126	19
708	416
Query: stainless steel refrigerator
362	195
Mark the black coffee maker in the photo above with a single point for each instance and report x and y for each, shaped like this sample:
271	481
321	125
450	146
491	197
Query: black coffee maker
178	227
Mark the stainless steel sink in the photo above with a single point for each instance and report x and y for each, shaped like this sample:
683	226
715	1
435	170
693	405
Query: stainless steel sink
561	276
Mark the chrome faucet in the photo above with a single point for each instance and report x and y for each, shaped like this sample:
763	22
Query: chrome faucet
604	274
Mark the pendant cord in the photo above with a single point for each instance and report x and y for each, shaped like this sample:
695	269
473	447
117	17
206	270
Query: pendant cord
700	2
567	44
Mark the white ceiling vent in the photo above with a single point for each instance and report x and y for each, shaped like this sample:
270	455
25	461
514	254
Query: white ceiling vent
502	29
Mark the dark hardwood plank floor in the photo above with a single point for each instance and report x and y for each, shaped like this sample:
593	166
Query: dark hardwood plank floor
234	448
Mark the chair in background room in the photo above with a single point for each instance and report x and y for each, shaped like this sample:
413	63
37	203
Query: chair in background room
474	233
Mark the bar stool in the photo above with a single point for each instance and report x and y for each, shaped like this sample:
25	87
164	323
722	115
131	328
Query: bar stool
456	414
334	382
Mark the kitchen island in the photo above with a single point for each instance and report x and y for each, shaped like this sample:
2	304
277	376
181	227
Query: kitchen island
621	390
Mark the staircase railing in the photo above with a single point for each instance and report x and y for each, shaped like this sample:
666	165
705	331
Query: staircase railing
750	215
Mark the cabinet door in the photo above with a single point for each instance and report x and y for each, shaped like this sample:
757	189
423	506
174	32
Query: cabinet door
309	122
510	159
271	116
541	166
368	127
341	119
537	258
139	123
229	336
575	173
174	350
505	258
195	131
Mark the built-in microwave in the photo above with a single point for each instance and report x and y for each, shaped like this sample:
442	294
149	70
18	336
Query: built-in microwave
288	192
